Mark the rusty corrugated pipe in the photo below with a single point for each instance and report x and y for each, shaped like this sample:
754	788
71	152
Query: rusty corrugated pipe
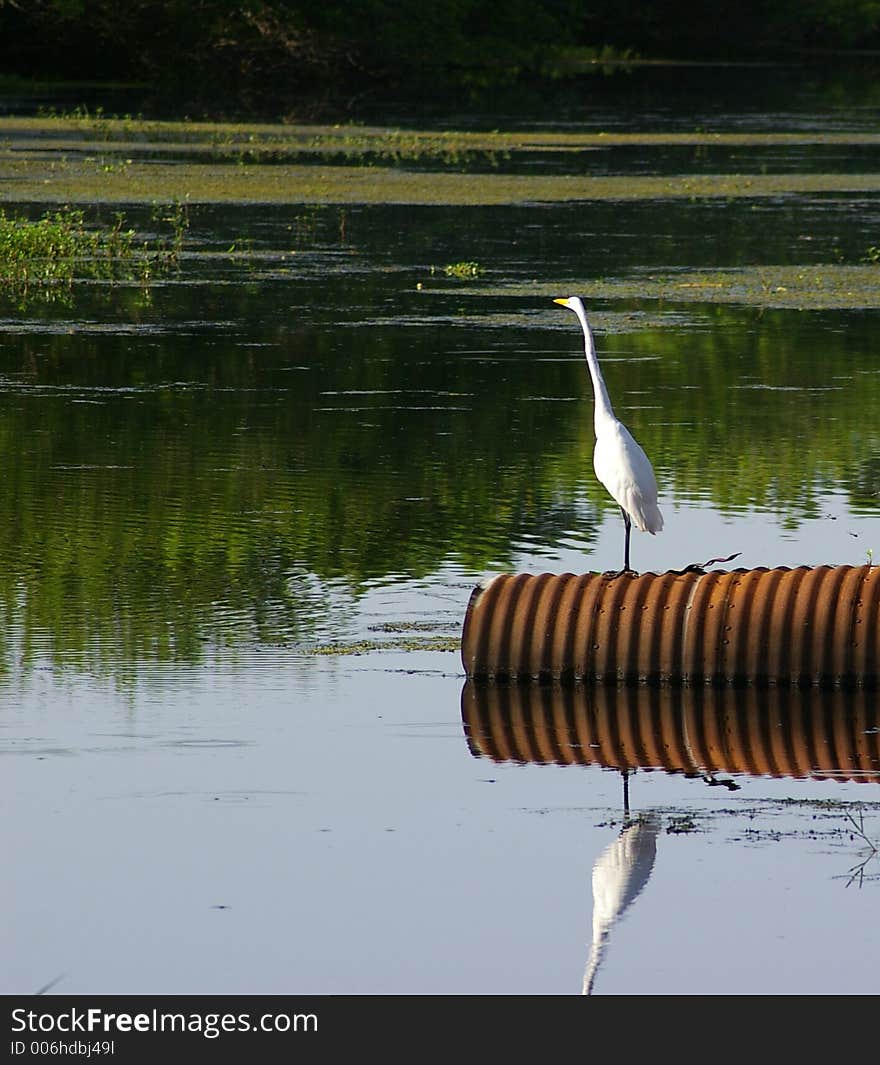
805	626
777	732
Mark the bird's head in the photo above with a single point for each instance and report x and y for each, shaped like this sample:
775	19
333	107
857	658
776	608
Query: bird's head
574	303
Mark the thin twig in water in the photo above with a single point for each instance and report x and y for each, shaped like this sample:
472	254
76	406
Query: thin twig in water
859	828
857	873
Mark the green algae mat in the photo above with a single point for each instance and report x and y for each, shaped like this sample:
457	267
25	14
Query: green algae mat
92	160
116	161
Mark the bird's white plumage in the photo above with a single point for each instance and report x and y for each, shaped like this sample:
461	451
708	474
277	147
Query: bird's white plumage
619	461
623	467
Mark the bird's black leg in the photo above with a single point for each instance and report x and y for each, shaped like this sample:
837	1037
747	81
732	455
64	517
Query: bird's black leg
626	570
628	525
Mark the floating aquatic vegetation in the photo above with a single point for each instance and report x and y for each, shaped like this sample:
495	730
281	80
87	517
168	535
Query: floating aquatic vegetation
815	286
465	271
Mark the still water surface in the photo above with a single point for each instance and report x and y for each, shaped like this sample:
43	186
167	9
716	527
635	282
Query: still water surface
242	517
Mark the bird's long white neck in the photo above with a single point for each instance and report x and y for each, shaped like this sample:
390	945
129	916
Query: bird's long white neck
603	410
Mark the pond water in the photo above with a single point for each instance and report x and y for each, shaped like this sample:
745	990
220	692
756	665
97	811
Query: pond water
243	513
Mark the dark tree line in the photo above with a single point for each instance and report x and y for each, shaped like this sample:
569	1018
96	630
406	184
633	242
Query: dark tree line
282	47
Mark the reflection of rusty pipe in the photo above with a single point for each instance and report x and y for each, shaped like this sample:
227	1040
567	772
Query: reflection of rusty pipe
782	626
826	735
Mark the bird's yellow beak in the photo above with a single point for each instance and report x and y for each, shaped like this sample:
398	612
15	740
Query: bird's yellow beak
563	302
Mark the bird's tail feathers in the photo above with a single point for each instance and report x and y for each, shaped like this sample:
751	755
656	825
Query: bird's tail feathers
649	519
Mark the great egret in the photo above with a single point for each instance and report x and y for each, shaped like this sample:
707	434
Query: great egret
619	461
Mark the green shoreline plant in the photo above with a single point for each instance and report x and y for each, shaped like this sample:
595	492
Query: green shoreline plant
43	257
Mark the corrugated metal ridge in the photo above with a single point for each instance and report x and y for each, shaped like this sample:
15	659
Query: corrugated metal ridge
779	732
806	626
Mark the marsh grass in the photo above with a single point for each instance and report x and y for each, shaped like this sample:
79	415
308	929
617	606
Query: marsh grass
44	257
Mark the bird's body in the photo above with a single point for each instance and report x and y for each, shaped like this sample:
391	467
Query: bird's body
623	467
619	461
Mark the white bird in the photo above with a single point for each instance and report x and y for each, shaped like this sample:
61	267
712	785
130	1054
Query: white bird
618	459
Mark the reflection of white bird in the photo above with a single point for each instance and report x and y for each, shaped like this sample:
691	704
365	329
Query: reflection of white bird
620	463
619	875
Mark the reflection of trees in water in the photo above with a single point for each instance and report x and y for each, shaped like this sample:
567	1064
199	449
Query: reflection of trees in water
184	468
